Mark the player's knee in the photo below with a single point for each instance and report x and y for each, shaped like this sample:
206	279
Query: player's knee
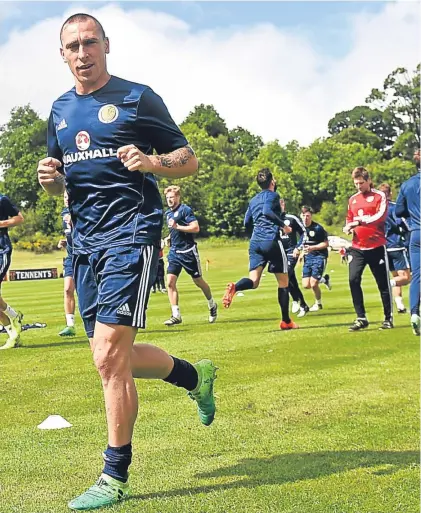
306	285
69	291
172	285
108	359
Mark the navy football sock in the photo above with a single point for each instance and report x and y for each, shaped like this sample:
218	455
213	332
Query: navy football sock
283	299
244	284
183	375
117	461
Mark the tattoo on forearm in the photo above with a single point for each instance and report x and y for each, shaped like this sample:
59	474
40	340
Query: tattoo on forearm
176	158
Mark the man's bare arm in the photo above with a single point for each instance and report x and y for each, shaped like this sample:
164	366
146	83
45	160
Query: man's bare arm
12	221
176	164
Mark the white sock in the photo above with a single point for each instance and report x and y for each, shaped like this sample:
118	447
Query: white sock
399	303
175	309
393	283
211	303
10	312
70	320
8	329
322	280
319	301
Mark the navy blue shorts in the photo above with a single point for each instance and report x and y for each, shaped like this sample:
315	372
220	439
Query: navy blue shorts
113	285
5	260
188	260
270	252
314	267
68	267
398	260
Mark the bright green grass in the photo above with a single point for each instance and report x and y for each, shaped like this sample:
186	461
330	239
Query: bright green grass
310	421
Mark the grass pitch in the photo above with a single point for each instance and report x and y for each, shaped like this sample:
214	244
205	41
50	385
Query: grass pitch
317	420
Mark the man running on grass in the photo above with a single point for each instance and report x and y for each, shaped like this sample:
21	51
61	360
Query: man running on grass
101	135
263	218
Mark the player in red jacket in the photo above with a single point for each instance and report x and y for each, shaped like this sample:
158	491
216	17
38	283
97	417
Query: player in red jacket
366	218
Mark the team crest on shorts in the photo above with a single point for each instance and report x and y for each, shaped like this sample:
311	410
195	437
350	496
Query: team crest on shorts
287	222
108	113
83	140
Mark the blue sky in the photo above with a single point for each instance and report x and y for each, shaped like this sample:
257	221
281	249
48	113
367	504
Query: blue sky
278	69
325	23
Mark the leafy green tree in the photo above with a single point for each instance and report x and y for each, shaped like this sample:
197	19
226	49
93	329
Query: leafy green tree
380	123
227	202
206	117
400	97
323	169
359	135
22	145
246	144
276	158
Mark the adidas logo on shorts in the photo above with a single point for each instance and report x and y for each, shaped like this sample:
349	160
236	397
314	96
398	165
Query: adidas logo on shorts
124	310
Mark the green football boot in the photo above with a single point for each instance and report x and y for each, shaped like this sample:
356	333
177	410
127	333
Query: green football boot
68	331
105	492
203	393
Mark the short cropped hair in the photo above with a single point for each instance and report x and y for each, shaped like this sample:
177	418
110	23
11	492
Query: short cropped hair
361	172
172	188
305	209
385	187
80	16
264	178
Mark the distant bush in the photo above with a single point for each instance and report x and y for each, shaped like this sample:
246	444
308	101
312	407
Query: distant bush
38	243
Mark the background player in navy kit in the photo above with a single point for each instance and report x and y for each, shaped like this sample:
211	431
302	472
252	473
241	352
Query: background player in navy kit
183	254
69	283
10	318
159	282
101	135
396	250
314	244
290	242
264	218
408	206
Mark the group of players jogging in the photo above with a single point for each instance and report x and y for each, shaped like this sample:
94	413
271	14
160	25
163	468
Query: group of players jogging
107	140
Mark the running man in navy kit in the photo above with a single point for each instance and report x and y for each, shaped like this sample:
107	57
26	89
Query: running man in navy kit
101	135
69	282
10	318
408	206
264	218
395	230
314	244
290	242
183	254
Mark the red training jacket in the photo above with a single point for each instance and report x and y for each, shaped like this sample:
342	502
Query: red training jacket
370	209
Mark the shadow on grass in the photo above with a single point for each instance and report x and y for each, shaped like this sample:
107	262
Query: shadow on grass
73	342
248	319
290	468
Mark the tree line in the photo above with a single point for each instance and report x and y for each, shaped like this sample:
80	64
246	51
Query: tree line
381	135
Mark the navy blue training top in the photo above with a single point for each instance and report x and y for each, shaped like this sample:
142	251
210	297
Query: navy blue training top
67	230
408	202
7	209
182	215
395	229
315	234
290	240
111	206
264	216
